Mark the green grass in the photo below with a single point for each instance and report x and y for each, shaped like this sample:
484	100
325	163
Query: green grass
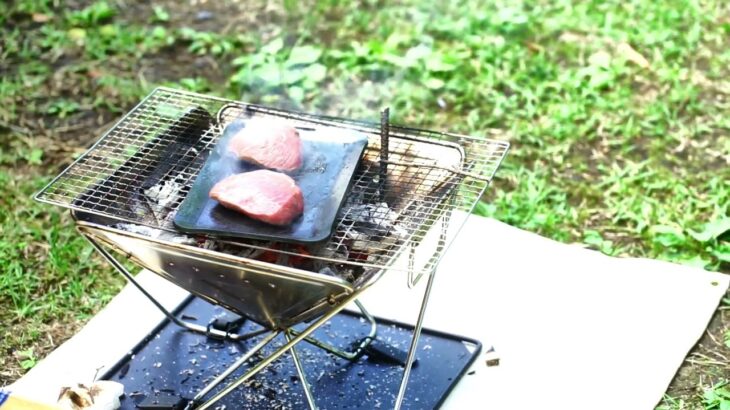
616	110
714	397
50	277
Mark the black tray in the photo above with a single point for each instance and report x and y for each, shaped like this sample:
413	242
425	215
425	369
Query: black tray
172	363
331	157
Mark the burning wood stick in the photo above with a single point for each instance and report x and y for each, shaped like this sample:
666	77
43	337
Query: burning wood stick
384	148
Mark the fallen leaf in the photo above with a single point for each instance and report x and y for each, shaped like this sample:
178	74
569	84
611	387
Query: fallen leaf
628	53
40	18
534	47
94	73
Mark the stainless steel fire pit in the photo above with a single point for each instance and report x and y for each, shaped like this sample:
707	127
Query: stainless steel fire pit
125	190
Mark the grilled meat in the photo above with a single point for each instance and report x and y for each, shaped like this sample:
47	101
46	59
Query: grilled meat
270	143
264	195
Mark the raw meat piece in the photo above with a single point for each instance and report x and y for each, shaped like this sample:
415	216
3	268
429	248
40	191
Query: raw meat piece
267	196
269	143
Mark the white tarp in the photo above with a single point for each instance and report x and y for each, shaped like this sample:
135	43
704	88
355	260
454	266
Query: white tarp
574	329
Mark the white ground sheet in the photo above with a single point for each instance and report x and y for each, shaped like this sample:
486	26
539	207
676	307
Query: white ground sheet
573	329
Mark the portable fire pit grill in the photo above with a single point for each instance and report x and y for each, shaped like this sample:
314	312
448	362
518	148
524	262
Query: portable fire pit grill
124	193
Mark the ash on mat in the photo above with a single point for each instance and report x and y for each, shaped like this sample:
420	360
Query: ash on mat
157	370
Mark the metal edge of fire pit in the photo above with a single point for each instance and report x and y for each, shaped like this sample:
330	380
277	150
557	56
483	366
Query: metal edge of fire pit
272	295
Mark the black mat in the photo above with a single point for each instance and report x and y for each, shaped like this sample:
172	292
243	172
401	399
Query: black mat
172	363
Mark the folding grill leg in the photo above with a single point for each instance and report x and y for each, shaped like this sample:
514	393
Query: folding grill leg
354	355
302	376
193	327
278	353
238	363
421	314
414	343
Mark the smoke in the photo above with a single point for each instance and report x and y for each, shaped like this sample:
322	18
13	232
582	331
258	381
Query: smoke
360	97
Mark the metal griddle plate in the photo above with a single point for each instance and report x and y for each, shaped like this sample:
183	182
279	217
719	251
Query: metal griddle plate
331	157
171	364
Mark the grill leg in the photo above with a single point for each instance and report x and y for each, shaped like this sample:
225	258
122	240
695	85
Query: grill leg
238	363
193	327
278	353
300	370
364	342
414	343
421	314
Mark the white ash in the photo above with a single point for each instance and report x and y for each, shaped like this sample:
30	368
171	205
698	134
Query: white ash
371	213
164	193
361	240
160	234
373	220
139	229
175	238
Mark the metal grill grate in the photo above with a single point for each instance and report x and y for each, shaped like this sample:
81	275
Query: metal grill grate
160	146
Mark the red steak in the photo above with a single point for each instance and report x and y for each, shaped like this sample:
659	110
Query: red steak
269	143
267	196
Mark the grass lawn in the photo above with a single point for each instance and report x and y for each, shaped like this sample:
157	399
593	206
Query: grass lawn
618	113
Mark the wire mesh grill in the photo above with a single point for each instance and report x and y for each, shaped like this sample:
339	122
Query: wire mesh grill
140	171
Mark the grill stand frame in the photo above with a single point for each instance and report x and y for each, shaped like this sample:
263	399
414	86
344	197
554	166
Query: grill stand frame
339	294
293	337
